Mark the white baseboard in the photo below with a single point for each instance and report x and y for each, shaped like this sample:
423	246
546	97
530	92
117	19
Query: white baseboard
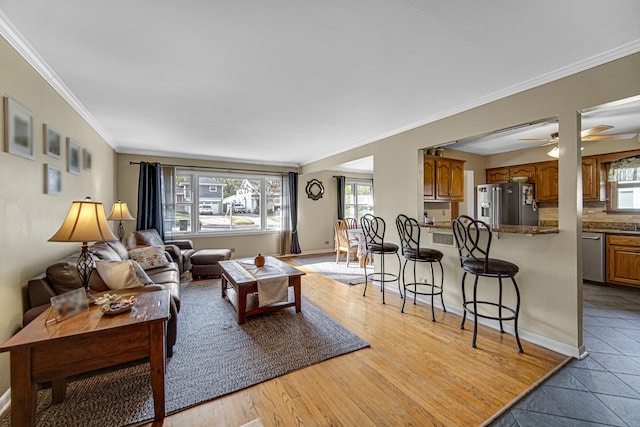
531	337
5	402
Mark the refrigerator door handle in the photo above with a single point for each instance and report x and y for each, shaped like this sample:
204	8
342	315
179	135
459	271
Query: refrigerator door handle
498	205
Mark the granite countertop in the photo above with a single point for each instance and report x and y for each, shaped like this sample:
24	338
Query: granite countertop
609	228
514	229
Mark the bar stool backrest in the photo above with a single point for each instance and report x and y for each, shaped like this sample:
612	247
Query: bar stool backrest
409	231
373	228
466	231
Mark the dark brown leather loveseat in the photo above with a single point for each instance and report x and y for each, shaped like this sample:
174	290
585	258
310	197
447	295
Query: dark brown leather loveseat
62	276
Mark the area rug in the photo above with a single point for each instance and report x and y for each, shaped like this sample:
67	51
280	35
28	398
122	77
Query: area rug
327	266
213	356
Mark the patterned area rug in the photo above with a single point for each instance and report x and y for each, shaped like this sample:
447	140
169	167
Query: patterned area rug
213	356
327	266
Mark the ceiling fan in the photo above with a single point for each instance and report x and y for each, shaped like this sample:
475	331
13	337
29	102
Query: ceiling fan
590	134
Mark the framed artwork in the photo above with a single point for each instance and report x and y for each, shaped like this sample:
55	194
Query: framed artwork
69	304
18	129
52	180
52	142
73	156
314	189
86	159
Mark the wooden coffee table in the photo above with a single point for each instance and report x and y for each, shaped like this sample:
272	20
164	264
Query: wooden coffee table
48	351
237	284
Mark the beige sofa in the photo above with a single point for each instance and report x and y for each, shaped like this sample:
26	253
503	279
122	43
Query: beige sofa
62	276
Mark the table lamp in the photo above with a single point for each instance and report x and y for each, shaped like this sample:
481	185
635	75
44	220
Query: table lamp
85	222
120	212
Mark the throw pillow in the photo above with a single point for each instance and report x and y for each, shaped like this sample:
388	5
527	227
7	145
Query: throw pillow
122	274
119	247
104	252
149	256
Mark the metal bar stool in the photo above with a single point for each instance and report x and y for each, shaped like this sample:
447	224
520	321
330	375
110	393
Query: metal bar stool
374	229
409	231
474	259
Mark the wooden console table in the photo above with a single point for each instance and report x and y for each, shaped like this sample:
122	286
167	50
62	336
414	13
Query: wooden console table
48	351
237	284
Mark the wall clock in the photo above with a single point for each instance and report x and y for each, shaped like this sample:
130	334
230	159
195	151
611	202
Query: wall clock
314	189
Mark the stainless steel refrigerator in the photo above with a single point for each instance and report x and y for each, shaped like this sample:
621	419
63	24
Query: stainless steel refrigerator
512	203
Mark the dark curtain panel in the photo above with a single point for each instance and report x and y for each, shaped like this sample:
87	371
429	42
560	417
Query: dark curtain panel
340	181
293	206
150	198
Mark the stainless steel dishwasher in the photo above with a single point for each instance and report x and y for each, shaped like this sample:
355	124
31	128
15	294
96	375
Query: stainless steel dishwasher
593	265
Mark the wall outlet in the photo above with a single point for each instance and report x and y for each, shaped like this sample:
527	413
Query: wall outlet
326	242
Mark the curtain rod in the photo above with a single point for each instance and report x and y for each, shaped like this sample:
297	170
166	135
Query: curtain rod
219	169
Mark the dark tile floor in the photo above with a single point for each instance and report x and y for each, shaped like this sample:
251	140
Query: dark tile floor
604	388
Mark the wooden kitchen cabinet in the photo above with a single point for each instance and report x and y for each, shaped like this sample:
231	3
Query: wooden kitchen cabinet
450	180
443	179
547	181
497	175
623	259
429	178
590	179
502	175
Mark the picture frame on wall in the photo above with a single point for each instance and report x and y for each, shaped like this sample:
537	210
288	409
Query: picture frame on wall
18	129
52	142
86	159
73	156
52	180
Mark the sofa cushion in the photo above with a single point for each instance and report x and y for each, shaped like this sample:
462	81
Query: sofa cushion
122	274
148	237
120	248
104	252
63	277
149	256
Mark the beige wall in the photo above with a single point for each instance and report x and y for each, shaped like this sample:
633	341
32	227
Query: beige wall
28	216
550	266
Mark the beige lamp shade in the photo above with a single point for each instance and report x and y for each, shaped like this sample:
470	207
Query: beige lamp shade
120	212
85	222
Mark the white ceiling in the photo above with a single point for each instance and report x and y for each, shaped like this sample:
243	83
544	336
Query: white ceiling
290	82
623	115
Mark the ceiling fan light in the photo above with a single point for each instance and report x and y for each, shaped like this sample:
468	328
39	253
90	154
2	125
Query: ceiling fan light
555	152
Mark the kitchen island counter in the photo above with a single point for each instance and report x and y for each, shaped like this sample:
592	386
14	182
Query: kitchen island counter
513	229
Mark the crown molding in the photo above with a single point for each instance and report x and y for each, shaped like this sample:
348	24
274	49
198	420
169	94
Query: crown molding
583	65
11	34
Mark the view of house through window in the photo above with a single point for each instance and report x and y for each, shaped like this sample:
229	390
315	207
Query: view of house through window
358	198
207	202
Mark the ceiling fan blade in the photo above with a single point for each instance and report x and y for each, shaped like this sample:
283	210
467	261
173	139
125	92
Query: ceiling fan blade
595	129
611	136
538	139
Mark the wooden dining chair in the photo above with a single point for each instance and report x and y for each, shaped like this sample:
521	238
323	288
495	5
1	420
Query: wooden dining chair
343	244
351	223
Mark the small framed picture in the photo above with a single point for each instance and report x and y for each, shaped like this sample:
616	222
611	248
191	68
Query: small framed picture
52	180
73	156
18	129
86	159
52	142
69	304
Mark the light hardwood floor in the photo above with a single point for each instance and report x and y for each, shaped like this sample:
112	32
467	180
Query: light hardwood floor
416	372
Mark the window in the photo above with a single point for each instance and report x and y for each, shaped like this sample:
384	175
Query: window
210	203
358	198
624	185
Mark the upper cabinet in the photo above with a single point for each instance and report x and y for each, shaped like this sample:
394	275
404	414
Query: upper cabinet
547	181
443	179
502	175
545	176
429	178
590	179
